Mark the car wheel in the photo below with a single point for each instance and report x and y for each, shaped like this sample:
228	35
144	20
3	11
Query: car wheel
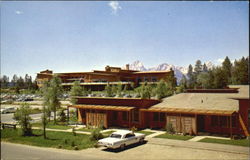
122	146
141	141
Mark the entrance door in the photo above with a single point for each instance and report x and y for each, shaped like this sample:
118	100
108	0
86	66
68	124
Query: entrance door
200	123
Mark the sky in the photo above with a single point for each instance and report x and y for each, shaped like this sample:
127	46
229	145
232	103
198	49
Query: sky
82	36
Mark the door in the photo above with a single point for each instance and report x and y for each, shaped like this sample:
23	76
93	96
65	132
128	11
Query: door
200	123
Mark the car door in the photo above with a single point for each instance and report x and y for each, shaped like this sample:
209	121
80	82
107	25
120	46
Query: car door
130	139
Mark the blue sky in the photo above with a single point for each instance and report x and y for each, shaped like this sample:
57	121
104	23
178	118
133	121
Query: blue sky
82	36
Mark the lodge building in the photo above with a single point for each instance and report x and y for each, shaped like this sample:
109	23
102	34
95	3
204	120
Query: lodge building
221	111
97	80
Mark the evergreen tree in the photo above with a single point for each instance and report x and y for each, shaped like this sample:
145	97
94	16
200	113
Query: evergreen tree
220	79
183	83
190	75
4	81
22	116
240	71
205	69
162	90
119	89
76	90
198	67
227	68
108	90
55	91
203	79
171	80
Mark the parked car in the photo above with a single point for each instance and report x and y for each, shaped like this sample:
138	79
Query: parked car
8	110
120	139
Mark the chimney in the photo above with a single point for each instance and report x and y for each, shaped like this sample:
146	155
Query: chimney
127	66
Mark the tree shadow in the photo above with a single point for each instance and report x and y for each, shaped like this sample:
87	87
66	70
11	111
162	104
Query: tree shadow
126	147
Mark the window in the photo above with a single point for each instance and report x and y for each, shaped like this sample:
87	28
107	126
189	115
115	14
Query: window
156	116
233	121
124	116
154	79
162	117
214	121
115	115
129	135
135	114
223	121
145	79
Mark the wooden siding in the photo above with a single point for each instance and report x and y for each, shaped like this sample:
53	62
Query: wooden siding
96	119
182	124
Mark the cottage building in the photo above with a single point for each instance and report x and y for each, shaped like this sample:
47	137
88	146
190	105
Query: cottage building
223	111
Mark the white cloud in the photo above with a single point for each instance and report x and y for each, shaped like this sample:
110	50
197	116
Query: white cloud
114	6
18	12
220	60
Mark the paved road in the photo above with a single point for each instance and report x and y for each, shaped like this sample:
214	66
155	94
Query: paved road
143	152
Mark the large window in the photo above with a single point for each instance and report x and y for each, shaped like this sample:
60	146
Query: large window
223	121
124	116
135	114
214	121
156	116
162	117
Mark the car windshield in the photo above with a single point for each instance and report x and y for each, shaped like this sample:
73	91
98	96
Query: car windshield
115	136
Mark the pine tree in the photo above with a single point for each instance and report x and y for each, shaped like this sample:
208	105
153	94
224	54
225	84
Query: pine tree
227	68
55	91
198	67
205	69
190	75
240	71
76	90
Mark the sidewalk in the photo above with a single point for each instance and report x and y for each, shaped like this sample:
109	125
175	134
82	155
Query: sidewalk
200	145
198	138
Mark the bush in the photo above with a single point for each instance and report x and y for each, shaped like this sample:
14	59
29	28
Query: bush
62	115
73	131
96	134
169	128
76	148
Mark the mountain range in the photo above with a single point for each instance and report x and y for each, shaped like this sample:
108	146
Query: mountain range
178	70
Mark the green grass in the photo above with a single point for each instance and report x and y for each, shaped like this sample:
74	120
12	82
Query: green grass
174	136
54	139
239	142
106	134
86	129
50	125
145	132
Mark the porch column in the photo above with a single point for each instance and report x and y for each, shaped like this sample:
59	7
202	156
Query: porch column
196	132
129	119
231	127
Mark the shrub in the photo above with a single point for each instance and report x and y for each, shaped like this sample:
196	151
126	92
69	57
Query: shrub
59	146
72	144
73	131
169	128
96	134
133	129
76	148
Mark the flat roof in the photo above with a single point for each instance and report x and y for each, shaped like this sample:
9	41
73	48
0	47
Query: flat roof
103	107
141	72
207	102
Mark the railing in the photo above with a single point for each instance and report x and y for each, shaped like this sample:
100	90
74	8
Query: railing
97	83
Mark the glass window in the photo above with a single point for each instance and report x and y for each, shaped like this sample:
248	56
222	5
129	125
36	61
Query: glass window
214	121
129	135
124	116
162	117
223	121
135	114
156	116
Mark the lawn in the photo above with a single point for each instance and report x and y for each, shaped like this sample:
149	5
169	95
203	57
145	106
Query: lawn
145	132
52	126
86	129
175	136
55	139
239	142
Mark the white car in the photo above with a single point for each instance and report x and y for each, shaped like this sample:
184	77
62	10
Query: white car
8	110
120	139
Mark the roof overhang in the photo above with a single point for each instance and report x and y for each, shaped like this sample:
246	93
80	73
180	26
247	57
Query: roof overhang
190	111
103	107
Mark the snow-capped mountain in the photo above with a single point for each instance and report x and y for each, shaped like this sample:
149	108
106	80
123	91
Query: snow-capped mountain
178	70
137	65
